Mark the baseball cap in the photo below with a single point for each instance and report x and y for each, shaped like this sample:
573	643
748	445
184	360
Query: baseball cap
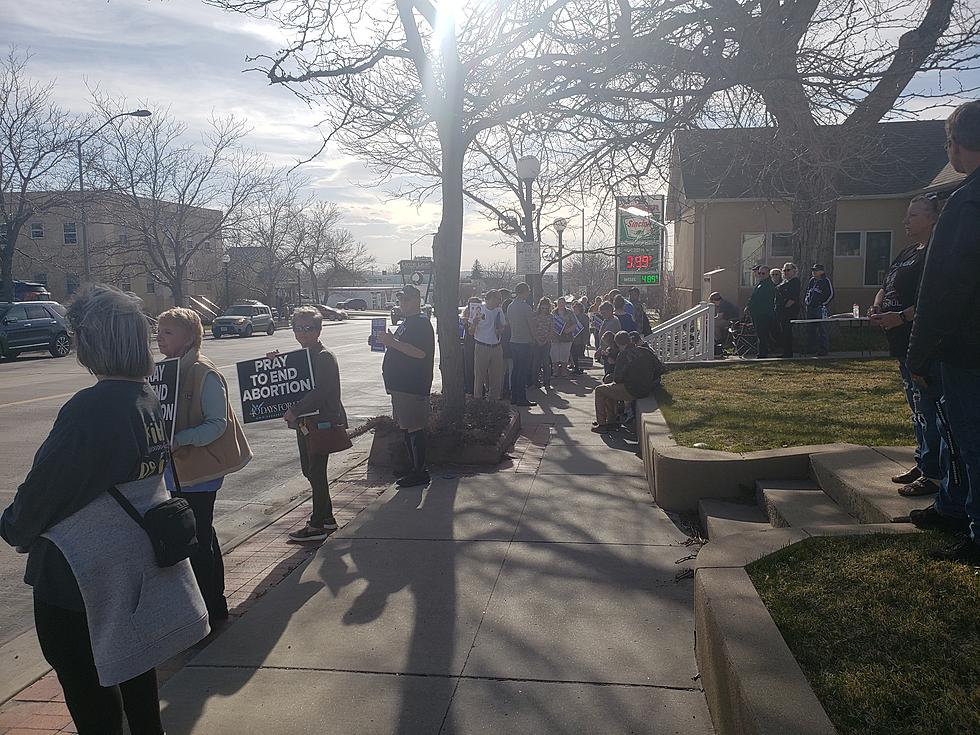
817	267
411	292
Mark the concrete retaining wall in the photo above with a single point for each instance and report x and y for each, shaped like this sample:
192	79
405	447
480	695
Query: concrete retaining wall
682	476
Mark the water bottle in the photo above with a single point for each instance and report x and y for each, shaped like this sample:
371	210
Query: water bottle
856	311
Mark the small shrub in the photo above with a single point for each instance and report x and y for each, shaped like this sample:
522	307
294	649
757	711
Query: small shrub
484	422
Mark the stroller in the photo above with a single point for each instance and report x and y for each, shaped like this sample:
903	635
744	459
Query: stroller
743	338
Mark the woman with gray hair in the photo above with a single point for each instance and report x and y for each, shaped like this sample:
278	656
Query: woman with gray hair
106	615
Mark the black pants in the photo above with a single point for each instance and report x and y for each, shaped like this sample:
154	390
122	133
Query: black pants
763	331
206	561
96	710
786	336
315	470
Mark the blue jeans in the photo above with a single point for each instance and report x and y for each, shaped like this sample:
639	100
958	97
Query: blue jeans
817	337
925	423
521	372
960	407
541	364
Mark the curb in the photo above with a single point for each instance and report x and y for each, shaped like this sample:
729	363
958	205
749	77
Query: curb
751	679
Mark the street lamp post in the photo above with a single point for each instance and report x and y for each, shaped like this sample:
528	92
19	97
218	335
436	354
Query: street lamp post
86	259
299	286
528	168
560	224
226	259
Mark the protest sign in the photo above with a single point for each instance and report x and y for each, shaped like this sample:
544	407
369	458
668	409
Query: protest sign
559	324
596	321
165	382
271	385
578	328
378	327
476	313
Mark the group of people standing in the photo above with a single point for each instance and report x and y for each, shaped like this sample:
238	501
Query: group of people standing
106	612
775	303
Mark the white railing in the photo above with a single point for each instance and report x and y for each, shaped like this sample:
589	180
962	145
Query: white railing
687	337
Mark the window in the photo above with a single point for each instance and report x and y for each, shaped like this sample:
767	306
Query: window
15	314
781	245
71	235
36	311
126	284
124	235
3	235
37	230
877	257
41	278
753	251
847	245
71	283
151	285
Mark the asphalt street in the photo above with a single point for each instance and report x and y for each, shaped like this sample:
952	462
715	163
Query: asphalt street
34	387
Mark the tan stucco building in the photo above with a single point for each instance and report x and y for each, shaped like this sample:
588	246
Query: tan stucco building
49	251
726	217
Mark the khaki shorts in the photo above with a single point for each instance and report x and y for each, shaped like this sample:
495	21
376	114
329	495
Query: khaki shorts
410	410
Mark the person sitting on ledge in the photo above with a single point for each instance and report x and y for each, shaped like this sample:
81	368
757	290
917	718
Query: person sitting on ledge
632	378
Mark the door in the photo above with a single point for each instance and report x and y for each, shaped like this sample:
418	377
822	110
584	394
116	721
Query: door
21	331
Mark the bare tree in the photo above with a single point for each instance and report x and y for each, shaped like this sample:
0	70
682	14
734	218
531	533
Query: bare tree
328	253
794	67
271	226
37	158
594	272
499	274
379	68
173	200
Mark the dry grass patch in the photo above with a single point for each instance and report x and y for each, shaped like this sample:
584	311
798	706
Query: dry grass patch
745	407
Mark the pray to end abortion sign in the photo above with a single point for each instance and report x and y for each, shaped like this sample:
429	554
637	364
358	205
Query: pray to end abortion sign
165	381
271	385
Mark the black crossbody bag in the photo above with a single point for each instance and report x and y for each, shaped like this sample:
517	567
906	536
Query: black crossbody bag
170	525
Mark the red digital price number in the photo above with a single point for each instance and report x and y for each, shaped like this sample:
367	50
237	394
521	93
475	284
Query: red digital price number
638	262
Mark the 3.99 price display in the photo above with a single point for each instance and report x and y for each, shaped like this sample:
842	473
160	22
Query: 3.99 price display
638	262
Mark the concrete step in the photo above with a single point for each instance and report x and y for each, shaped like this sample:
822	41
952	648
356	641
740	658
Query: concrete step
800	508
859	479
720	518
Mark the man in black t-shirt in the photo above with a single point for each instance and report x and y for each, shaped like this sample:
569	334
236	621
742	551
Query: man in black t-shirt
407	372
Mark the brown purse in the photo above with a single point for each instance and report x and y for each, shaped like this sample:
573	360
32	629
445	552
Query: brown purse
324	441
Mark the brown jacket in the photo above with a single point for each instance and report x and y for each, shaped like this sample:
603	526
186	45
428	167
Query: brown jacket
226	454
324	399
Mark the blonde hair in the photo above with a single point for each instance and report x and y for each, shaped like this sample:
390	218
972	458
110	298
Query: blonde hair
307	313
112	334
188	320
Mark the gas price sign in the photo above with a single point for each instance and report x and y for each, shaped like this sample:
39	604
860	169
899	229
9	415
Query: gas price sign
639	240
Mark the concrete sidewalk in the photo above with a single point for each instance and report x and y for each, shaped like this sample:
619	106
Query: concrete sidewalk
536	598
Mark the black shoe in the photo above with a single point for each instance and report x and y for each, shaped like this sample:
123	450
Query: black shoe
400	472
525	404
605	428
414	479
906	477
931	518
965	550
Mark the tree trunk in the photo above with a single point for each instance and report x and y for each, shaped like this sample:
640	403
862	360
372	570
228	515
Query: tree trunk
7	265
446	251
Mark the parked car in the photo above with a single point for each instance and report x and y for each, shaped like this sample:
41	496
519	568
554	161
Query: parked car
29	291
33	326
354	304
244	319
396	313
331	314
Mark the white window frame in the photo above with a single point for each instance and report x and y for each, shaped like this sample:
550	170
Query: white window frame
151	284
37	227
774	256
73	233
742	263
860	252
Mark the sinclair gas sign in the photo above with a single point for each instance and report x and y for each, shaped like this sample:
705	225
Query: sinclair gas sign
639	240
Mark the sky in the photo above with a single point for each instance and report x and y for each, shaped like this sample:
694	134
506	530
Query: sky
189	57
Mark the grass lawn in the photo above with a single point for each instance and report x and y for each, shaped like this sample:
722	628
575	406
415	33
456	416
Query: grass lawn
888	638
740	408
